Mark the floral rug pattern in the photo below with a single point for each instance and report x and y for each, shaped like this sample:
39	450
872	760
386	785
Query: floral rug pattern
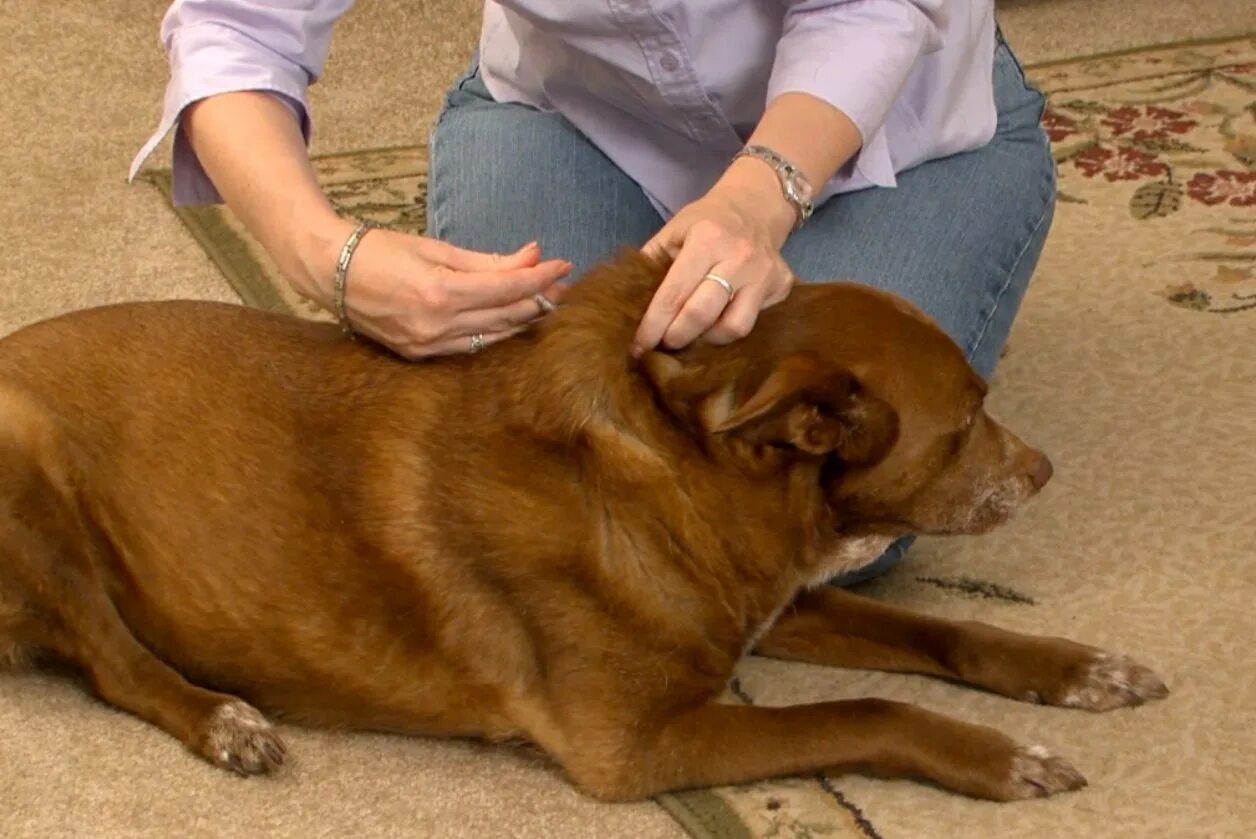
1178	141
1156	150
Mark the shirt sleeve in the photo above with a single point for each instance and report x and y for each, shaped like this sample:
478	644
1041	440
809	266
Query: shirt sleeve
856	55
221	46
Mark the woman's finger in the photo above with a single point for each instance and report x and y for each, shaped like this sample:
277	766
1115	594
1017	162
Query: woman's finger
502	318
661	243
684	275
469	291
740	317
461	344
700	312
463	259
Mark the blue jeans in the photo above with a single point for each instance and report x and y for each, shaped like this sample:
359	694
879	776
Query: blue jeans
959	236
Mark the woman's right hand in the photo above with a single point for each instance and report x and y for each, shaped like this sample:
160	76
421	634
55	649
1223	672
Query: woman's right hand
421	297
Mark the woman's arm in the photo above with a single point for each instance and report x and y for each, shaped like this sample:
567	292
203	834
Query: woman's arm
250	145
237	95
810	133
839	67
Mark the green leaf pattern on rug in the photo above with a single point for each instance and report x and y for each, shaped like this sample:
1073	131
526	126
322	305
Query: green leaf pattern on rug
1159	198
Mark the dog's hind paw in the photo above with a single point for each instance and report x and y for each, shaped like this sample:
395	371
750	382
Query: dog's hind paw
237	737
1113	681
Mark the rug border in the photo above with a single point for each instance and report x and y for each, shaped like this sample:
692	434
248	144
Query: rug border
1153	47
224	247
703	814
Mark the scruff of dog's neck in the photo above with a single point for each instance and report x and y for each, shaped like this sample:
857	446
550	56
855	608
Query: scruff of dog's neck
676	426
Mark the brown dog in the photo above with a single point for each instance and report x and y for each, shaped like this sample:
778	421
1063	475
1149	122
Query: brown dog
203	505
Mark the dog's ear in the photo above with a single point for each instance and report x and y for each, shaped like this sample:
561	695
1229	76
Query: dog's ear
807	404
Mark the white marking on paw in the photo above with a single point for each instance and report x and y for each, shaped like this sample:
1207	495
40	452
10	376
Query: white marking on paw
239	738
1114	681
1038	772
238	713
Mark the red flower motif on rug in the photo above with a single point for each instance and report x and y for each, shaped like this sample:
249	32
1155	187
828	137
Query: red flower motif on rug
1147	123
1238	189
1057	125
1123	164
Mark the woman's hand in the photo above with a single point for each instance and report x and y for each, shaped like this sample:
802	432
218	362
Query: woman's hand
734	232
422	297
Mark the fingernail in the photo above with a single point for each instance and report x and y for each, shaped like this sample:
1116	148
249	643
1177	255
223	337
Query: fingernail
530	246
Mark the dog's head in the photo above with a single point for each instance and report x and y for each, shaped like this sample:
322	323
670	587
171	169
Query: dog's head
866	387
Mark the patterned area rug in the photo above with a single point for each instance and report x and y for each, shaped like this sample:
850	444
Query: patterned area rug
1157	156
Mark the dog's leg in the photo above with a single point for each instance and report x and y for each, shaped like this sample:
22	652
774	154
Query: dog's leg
726	744
221	728
52	598
834	627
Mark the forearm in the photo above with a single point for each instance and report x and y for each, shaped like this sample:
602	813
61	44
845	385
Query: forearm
250	145
839	68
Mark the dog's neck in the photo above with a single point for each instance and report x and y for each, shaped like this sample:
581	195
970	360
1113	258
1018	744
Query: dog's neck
774	535
578	370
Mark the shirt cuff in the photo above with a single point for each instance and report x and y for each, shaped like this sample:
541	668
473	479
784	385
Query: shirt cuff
857	58
208	59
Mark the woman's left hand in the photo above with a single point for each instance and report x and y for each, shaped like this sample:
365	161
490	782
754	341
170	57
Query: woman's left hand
734	232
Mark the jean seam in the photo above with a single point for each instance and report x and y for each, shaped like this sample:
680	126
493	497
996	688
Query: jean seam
977	341
1000	40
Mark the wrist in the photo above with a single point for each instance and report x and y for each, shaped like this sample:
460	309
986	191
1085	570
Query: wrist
753	187
314	247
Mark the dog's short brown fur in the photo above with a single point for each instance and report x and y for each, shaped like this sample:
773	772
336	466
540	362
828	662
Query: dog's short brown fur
205	506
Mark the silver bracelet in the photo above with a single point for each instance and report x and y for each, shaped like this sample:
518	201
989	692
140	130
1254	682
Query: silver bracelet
342	272
794	184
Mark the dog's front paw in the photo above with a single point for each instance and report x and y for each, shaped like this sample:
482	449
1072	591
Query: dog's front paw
985	763
237	737
1110	681
1037	773
1057	671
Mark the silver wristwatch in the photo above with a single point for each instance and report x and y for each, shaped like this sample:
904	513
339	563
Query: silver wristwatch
797	189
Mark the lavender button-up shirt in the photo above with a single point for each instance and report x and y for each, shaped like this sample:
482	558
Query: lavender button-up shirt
668	89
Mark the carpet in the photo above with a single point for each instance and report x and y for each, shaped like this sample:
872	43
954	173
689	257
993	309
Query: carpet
1151	265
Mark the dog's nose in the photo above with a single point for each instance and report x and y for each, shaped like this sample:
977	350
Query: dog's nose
1041	473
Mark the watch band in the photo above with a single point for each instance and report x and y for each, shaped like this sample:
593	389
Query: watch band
794	184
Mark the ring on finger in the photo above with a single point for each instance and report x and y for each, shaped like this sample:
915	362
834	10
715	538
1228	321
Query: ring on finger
722	283
543	303
477	342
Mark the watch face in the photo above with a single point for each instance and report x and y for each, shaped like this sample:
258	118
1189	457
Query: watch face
802	187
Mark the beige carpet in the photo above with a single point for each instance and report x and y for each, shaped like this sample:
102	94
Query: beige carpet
1123	366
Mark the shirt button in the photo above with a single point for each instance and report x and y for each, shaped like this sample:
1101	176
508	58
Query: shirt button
669	63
